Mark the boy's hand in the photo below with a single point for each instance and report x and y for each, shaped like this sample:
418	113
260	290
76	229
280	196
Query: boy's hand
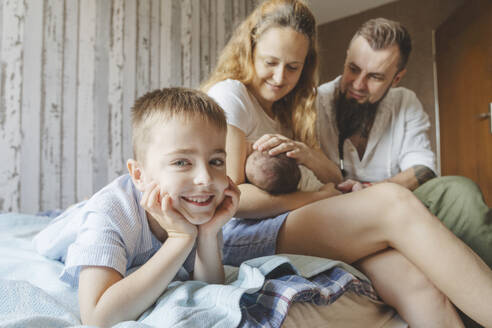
161	208
224	212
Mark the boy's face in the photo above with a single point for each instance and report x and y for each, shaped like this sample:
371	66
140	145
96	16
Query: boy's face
187	160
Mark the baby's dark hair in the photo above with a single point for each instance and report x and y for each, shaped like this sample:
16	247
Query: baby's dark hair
161	105
275	174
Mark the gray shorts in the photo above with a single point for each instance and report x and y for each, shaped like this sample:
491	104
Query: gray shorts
245	239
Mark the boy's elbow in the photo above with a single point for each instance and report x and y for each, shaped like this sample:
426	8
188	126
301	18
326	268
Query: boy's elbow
98	323
92	318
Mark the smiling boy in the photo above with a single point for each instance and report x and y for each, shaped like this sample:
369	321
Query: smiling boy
161	221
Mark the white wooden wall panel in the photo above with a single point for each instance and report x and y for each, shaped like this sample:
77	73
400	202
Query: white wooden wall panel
195	45
143	47
70	72
100	86
155	44
214	49
51	110
186	44
86	103
221	25
69	103
115	97
165	43
204	39
13	13
30	177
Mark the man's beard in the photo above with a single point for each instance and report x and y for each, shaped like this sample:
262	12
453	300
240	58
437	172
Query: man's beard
353	118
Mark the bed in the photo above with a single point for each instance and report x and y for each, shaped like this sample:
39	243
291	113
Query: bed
272	291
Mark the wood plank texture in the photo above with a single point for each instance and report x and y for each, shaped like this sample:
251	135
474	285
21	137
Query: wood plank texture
86	101
13	19
71	70
69	103
51	95
30	169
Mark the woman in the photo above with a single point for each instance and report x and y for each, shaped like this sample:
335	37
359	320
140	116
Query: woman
265	80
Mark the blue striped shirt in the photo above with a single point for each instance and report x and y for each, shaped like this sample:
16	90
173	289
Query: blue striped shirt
110	230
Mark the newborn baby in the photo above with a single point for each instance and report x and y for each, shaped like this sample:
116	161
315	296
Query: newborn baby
275	174
279	174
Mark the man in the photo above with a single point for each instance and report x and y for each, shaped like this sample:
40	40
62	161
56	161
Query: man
379	133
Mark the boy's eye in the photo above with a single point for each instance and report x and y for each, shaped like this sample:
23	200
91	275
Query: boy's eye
180	163
217	162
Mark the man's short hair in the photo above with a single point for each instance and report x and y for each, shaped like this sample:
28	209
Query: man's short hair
274	174
382	33
161	105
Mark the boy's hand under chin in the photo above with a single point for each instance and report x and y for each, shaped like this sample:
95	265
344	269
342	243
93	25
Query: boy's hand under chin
224	212
161	208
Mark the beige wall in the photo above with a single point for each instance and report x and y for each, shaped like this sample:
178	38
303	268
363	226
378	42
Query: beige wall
420	17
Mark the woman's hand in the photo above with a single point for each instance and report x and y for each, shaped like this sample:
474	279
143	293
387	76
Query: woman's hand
224	212
276	144
161	208
314	159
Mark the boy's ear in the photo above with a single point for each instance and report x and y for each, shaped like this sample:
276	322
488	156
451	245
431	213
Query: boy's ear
136	173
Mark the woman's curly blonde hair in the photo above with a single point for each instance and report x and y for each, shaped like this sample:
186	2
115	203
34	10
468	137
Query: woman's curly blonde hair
296	111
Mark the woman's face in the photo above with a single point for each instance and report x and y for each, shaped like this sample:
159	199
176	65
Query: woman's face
278	58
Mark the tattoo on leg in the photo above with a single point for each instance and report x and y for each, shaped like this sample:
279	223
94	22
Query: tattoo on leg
423	174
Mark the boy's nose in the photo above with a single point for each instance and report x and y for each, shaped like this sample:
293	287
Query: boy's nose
203	176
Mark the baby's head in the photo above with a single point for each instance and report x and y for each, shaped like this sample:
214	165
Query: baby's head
274	174
179	142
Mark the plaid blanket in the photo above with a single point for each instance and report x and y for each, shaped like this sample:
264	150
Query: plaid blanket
268	307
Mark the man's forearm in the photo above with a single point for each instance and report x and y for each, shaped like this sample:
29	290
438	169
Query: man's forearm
413	177
423	174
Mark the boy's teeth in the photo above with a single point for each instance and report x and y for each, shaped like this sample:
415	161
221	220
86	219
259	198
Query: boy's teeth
198	199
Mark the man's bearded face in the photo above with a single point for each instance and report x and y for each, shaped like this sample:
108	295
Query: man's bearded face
369	73
353	117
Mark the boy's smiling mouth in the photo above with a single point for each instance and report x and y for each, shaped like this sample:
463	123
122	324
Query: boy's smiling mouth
199	200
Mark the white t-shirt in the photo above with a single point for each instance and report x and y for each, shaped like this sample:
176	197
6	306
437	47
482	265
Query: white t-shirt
309	181
398	139
110	229
244	112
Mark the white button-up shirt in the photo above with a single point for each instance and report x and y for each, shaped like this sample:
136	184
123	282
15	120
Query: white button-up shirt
397	141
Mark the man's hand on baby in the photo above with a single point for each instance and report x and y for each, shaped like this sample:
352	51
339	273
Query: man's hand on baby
224	212
160	207
350	185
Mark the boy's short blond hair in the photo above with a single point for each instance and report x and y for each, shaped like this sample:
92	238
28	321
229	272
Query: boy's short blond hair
159	106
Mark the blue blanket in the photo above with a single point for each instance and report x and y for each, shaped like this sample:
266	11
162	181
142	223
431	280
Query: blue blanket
258	293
